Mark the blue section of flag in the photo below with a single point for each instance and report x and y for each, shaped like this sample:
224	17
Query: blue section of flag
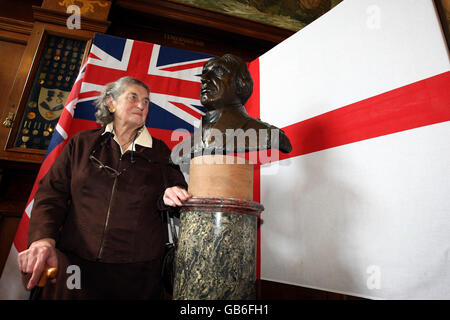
85	110
56	139
169	56
159	118
112	45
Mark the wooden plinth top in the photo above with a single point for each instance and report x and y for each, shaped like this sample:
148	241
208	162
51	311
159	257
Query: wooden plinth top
221	176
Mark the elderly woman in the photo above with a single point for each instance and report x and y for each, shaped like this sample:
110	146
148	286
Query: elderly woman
97	207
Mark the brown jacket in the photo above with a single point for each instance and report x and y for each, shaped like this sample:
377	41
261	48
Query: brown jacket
98	215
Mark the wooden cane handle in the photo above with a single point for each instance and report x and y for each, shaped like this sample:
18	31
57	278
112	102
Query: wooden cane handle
48	273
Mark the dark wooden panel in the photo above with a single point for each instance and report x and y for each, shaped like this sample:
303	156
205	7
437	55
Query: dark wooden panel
186	14
190	28
8	69
16	182
20	10
8	227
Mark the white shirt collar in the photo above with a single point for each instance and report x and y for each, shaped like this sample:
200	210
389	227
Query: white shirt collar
143	139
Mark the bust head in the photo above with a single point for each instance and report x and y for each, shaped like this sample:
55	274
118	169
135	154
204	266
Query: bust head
226	85
225	81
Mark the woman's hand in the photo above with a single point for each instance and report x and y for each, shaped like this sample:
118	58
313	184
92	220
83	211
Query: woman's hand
174	195
36	257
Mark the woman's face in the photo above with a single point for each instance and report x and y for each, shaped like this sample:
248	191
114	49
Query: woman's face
131	106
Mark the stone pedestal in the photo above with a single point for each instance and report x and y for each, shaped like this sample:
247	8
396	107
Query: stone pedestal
216	256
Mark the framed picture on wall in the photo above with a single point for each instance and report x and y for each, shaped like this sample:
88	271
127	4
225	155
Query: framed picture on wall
57	61
55	75
287	14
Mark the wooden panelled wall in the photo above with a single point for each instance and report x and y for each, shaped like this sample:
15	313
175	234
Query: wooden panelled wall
159	21
16	177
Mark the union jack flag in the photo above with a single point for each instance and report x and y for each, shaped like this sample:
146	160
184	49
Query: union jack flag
173	76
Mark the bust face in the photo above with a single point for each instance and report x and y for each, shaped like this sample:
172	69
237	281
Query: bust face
218	88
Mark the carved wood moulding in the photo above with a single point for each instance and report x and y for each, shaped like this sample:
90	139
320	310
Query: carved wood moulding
206	18
187	27
15	30
60	18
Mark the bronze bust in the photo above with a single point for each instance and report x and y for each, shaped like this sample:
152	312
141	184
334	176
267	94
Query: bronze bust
226	85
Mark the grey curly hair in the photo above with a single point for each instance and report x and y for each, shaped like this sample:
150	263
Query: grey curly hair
113	90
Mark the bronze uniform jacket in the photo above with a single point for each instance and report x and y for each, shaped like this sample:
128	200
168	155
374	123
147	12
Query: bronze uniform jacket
100	216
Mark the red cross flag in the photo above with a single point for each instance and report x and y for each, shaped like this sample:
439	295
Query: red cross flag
361	205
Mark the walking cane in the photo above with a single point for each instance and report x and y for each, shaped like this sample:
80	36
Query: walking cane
48	273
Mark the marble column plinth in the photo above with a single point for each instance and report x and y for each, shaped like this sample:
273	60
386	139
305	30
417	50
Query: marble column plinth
216	256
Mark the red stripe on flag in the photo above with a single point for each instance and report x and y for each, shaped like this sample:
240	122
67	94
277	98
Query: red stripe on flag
21	238
78	125
93	56
173	87
101	75
141	54
186	109
419	104
65	119
257	198
157	84
89	94
252	105
75	91
253	109
185	66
